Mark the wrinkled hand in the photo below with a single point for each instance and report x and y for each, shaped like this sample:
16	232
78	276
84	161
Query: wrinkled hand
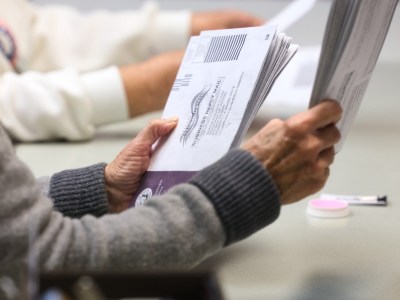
124	173
222	19
298	152
147	84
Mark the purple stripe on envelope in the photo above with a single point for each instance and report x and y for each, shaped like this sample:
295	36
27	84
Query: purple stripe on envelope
157	183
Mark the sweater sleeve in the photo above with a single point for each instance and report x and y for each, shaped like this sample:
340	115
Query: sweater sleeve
78	192
176	230
243	193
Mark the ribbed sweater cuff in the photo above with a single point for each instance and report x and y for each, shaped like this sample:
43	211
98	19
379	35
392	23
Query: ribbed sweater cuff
80	191
243	193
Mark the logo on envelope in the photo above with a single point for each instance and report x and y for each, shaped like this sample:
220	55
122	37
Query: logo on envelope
143	197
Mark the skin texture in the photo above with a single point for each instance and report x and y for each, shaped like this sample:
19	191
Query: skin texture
298	152
124	173
147	84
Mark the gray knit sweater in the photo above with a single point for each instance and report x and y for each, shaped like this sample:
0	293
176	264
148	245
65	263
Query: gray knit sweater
222	204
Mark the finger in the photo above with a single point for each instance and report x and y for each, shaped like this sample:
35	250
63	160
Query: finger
325	113
156	129
323	163
326	157
169	125
328	135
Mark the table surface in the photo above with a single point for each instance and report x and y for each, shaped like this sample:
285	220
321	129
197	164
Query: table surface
300	257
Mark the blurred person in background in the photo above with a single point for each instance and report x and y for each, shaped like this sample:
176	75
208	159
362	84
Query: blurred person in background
64	73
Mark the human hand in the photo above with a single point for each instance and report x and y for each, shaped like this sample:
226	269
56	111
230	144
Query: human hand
147	84
124	173
222	19
298	152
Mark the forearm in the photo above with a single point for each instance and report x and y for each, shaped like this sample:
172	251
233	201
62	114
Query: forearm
184	226
175	230
148	84
166	233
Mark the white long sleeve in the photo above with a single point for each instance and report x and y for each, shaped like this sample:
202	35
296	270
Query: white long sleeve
78	90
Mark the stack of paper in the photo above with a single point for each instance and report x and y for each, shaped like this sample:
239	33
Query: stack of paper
353	39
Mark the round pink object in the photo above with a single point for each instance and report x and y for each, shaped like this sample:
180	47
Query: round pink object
328	208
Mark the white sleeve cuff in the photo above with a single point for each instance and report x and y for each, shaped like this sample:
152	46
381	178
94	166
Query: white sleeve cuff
106	90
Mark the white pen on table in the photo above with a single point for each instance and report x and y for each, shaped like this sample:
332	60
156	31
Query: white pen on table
358	200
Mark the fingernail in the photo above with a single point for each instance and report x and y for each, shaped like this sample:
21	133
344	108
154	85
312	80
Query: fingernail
173	119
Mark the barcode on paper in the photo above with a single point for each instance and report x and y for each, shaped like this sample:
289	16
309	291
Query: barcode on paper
180	82
219	48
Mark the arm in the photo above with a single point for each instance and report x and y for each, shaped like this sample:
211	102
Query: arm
68	105
176	230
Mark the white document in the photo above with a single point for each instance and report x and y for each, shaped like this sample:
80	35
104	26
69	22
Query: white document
353	39
224	78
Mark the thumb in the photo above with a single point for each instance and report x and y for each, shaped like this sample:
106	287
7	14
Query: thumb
156	129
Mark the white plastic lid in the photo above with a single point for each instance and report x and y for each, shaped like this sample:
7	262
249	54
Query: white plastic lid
328	208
